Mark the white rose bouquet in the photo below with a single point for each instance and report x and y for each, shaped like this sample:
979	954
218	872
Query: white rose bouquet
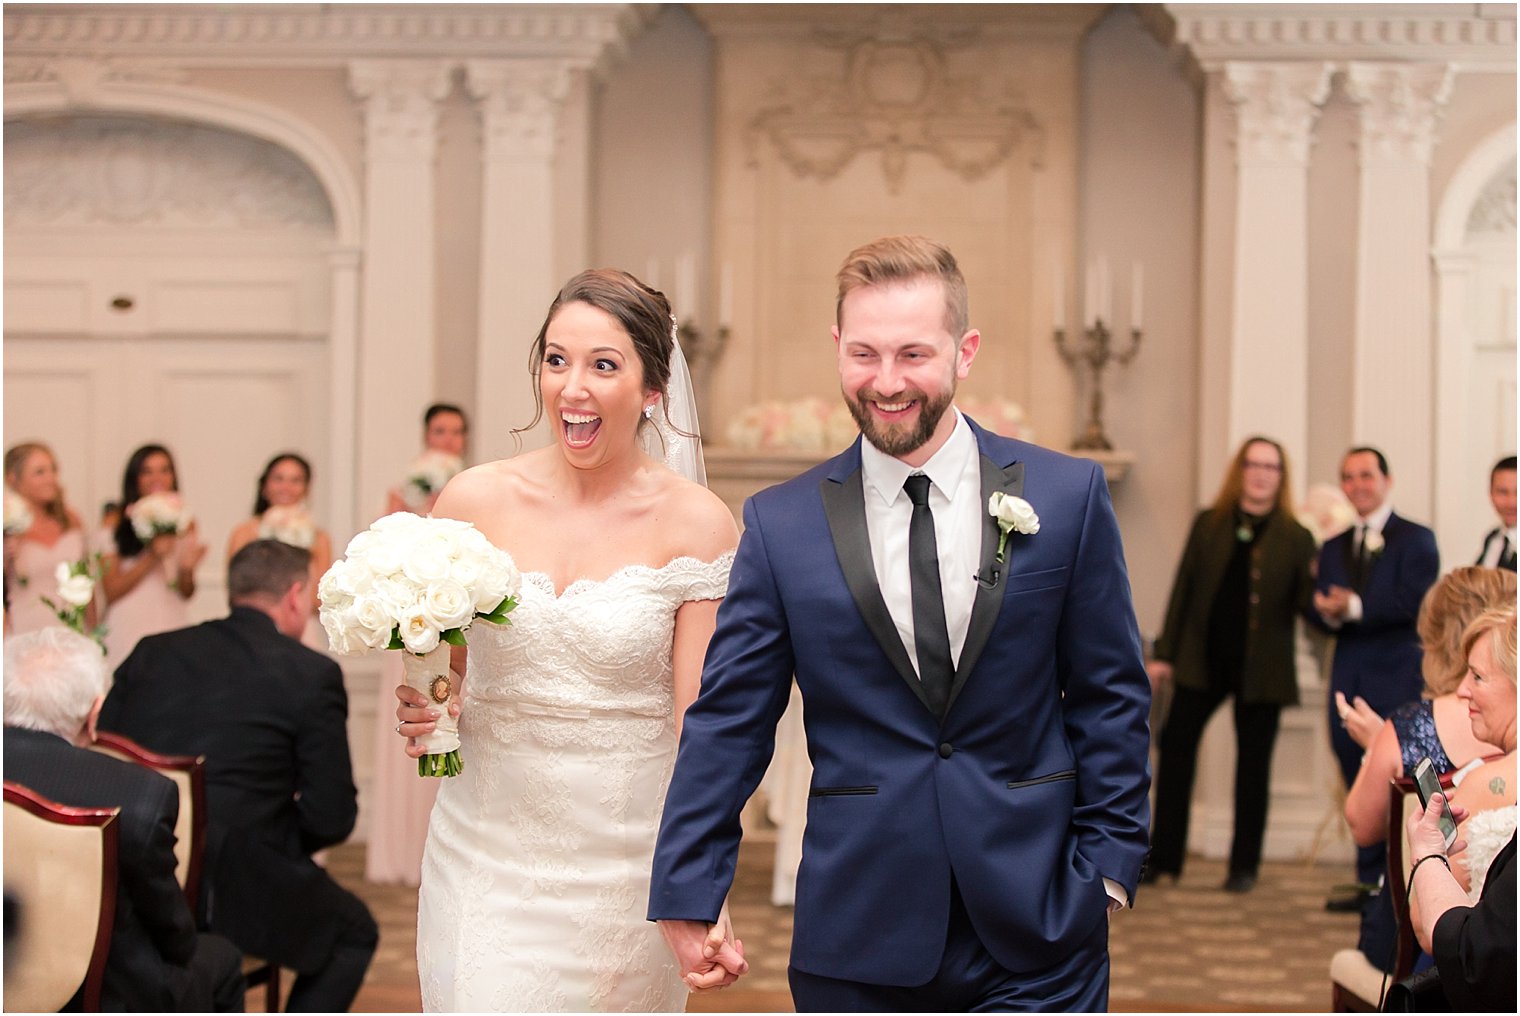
76	590
18	514
288	523
427	476
417	584
156	514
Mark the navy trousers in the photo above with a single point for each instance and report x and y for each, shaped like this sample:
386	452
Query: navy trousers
970	980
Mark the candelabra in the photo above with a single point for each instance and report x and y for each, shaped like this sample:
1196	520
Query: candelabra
703	351
1096	351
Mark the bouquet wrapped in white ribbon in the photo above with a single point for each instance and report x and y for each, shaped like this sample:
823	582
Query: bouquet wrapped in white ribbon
417	584
18	514
427	476
288	523
156	514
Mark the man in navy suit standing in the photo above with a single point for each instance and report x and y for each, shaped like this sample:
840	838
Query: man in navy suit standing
1371	579
974	695
1499	545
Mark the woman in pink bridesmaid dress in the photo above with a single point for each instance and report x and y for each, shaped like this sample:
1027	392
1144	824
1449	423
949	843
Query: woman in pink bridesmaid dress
400	802
55	536
147	585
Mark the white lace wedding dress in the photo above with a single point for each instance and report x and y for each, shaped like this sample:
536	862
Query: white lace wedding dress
535	878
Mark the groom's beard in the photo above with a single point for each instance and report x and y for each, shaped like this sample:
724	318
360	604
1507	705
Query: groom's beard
898	440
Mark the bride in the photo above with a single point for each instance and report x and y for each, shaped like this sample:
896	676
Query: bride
535	878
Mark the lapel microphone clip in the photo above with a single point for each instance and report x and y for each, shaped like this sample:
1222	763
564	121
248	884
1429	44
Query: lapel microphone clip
988	577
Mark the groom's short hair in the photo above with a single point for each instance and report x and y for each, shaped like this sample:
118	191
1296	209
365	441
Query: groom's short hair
901	259
265	569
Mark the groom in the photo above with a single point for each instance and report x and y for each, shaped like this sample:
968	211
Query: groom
975	706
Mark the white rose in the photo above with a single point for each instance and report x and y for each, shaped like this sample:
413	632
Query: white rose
398	596
384	558
1373	542
337	630
372	622
1013	513
499	580
447	605
76	590
417	634
426	561
467	570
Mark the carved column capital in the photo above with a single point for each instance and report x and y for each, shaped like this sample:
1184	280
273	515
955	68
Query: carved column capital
400	105
519	103
1276	105
1400	105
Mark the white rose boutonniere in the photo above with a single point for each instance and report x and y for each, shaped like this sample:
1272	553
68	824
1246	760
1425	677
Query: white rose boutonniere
1014	515
1372	542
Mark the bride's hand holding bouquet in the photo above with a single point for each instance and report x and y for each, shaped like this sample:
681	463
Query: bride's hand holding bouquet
416	585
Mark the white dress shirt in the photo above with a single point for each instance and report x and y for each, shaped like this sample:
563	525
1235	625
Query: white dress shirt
955	494
1495	546
1374	523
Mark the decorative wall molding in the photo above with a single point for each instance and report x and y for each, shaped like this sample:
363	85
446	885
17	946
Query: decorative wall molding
199	34
1478	37
1400	106
519	104
400	105
93	170
1493	215
1276	105
895	97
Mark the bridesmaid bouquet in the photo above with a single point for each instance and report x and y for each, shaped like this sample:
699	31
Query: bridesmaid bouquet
76	590
288	523
156	514
417	584
18	514
428	475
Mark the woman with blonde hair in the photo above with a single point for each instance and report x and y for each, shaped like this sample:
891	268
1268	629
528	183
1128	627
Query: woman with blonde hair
49	533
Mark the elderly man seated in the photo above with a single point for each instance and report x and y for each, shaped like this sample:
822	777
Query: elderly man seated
54	685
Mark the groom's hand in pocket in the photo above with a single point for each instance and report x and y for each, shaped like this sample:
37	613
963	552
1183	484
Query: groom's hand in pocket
707	960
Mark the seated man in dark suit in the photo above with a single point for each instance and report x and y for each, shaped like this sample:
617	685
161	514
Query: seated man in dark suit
270	716
54	683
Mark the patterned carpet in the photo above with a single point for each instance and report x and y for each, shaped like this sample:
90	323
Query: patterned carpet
1189	947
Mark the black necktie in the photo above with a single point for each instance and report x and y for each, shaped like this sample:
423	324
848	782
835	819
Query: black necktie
930	632
1360	578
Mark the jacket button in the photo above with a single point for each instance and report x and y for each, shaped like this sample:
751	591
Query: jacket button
946	750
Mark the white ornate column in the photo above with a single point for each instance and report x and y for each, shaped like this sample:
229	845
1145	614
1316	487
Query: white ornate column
520	103
344	390
1276	105
1392	396
395	364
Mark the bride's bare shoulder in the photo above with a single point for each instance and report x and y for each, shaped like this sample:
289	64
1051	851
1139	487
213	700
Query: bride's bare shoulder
706	526
489	488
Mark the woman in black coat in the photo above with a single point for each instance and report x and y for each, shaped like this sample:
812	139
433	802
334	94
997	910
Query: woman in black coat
1245	576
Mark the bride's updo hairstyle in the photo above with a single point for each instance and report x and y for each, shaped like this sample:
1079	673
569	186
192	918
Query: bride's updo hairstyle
643	312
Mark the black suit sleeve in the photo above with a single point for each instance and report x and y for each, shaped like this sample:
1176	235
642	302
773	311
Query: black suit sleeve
1474	947
157	897
327	805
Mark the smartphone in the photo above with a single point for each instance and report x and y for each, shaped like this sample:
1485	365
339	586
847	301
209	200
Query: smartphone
1426	784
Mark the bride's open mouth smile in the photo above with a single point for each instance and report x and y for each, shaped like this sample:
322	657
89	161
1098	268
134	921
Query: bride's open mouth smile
580	428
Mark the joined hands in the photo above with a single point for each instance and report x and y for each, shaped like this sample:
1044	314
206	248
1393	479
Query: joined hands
709	955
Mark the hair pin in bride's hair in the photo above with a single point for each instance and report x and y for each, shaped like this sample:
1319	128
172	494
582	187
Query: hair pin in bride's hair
675	328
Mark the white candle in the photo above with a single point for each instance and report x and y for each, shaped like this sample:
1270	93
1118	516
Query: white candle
1105	292
726	296
1135	296
1090	295
686	285
652	273
1059	310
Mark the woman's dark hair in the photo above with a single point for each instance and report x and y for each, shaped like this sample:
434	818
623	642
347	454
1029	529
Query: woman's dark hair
438	408
644	314
260	502
127	543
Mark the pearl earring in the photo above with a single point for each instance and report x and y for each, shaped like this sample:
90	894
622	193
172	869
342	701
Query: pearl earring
649	411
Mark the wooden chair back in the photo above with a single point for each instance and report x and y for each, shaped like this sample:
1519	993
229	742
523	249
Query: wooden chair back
189	775
60	867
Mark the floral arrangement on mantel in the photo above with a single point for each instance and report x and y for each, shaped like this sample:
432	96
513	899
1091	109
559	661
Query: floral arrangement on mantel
815	425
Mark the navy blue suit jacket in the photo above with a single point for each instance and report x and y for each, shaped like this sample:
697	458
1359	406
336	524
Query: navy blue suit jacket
1031	789
1378	657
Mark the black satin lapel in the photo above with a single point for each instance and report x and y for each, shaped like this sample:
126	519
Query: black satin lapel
989	587
844	505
